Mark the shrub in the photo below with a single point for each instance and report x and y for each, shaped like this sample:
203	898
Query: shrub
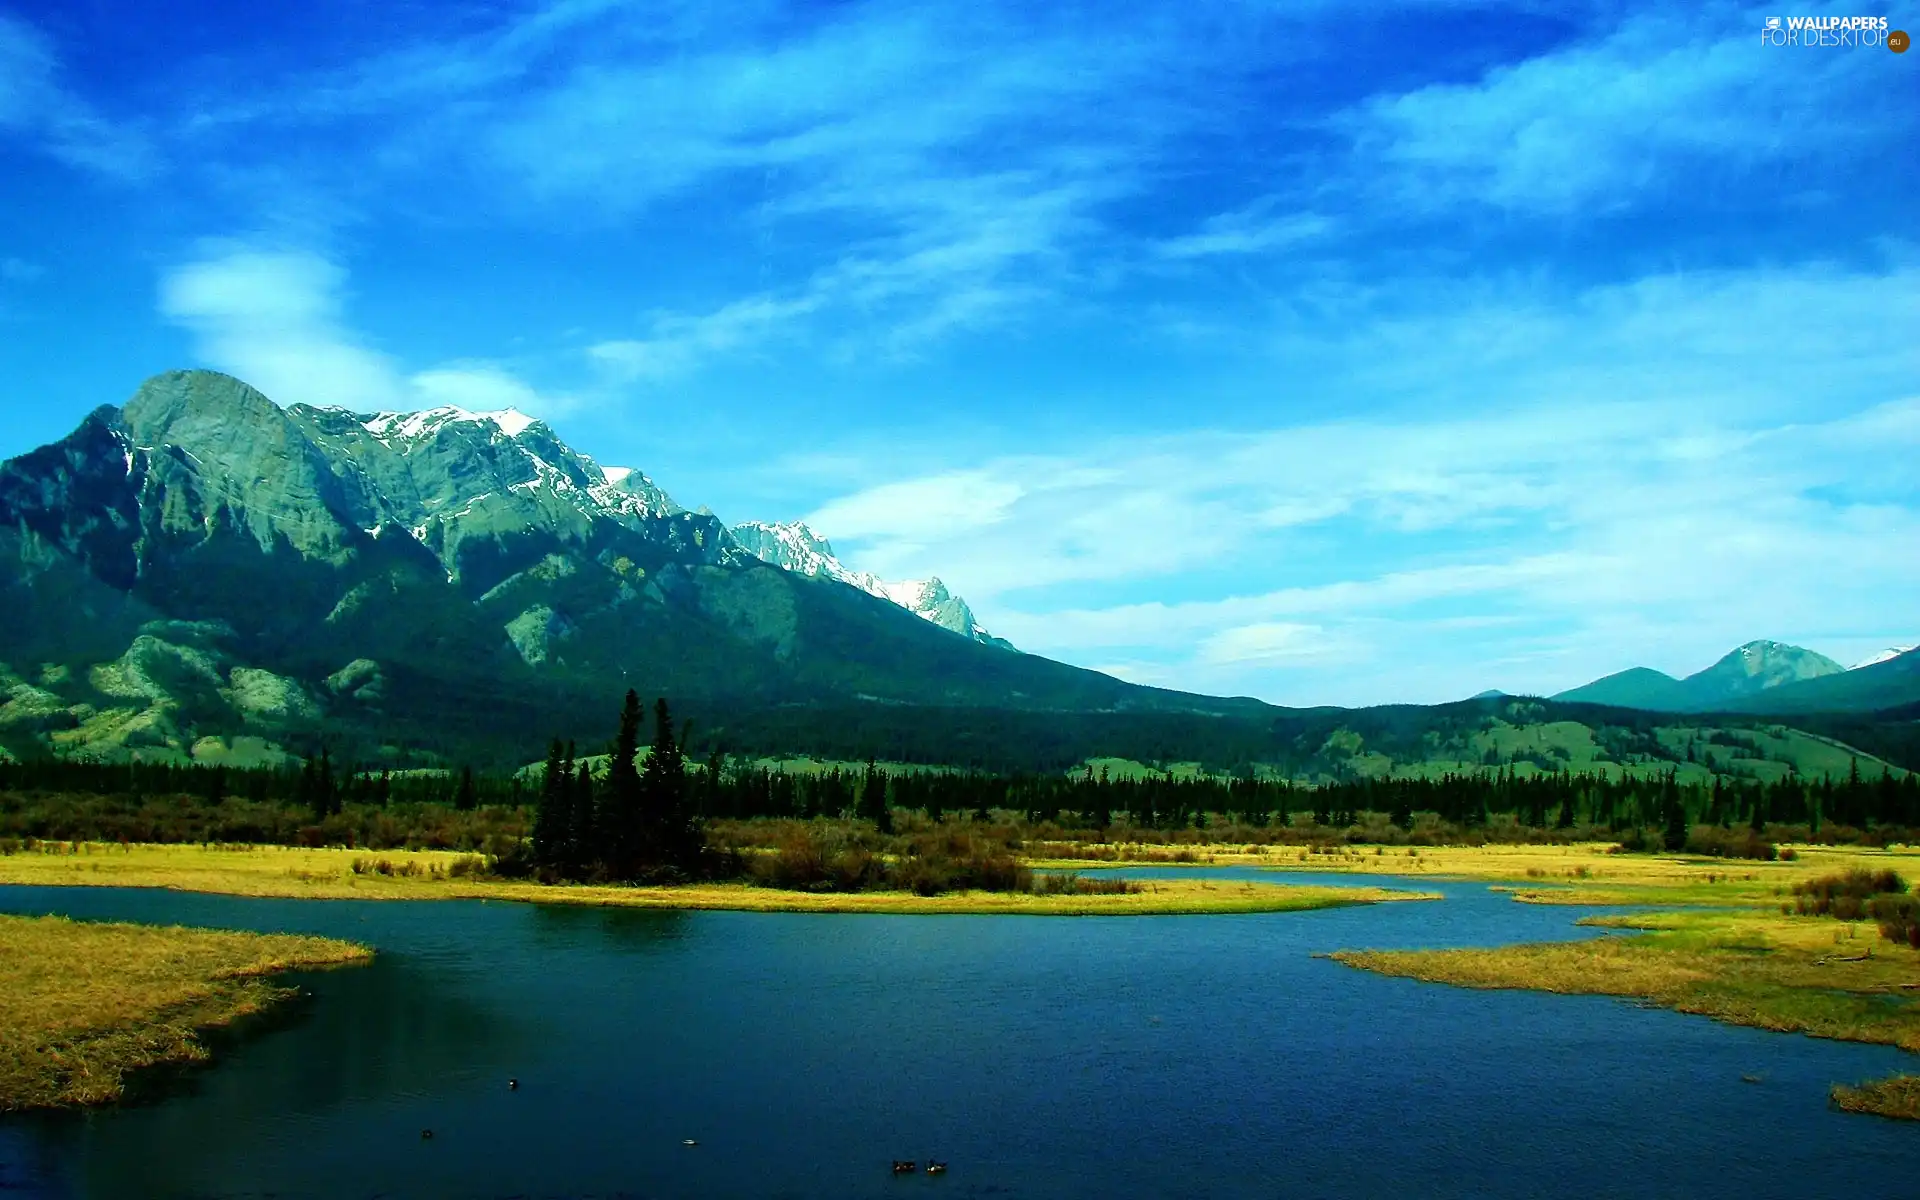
1898	918
1846	895
1640	841
1069	883
1730	843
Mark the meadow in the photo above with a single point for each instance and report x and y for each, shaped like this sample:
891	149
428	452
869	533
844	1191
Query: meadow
84	1005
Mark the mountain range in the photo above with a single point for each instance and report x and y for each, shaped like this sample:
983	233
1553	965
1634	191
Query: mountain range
200	574
1764	677
796	547
201	561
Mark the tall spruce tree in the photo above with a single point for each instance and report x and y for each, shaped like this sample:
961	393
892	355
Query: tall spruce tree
583	836
550	816
670	836
620	824
873	798
1675	814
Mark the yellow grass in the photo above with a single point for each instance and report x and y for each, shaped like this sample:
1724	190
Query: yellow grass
1583	873
329	874
83	1004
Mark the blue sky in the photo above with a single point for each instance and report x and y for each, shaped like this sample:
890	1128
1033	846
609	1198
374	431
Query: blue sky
1325	353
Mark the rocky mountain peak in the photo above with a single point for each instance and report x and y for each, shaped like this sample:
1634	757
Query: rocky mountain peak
184	407
1766	663
797	547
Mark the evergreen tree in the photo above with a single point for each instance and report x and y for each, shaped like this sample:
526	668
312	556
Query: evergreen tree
326	796
583	836
464	796
1675	833
550	815
873	799
618	823
670	837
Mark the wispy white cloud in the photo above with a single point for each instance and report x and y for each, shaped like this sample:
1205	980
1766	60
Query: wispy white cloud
37	105
677	343
1575	509
1617	118
939	506
1255	229
275	318
477	387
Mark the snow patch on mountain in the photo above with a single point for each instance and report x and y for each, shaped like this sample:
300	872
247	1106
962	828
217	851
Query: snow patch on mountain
794	546
410	425
1891	652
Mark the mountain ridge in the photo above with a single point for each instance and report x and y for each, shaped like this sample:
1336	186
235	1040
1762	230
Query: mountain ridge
795	546
1762	676
200	560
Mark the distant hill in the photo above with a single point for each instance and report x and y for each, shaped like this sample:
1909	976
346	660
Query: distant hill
1635	687
1885	684
1761	676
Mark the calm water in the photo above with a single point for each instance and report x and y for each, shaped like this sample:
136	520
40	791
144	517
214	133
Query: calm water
1041	1057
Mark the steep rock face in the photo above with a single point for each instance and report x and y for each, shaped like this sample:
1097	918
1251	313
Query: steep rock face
794	546
218	453
78	495
489	493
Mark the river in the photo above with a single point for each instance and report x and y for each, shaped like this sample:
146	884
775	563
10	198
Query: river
1038	1056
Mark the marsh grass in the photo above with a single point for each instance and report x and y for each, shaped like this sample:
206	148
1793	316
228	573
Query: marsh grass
1897	1096
83	1005
1787	973
328	874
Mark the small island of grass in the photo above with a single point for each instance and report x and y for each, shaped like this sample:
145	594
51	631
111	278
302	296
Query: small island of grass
84	1005
1794	970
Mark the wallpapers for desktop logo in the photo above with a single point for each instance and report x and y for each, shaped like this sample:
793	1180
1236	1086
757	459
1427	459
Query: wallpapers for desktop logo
1832	31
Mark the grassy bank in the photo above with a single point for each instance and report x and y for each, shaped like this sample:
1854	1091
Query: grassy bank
427	875
1577	873
1770	970
1898	1097
82	1005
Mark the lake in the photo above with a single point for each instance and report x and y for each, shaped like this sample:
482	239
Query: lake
1039	1056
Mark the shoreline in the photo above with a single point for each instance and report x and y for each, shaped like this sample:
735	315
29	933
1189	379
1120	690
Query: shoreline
286	873
1766	970
87	1006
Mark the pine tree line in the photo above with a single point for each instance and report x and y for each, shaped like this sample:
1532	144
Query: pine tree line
639	822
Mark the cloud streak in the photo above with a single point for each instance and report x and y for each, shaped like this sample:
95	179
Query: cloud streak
275	318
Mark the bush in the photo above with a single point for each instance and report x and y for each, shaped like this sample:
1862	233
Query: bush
1898	918
1846	895
1730	843
1069	883
1640	841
